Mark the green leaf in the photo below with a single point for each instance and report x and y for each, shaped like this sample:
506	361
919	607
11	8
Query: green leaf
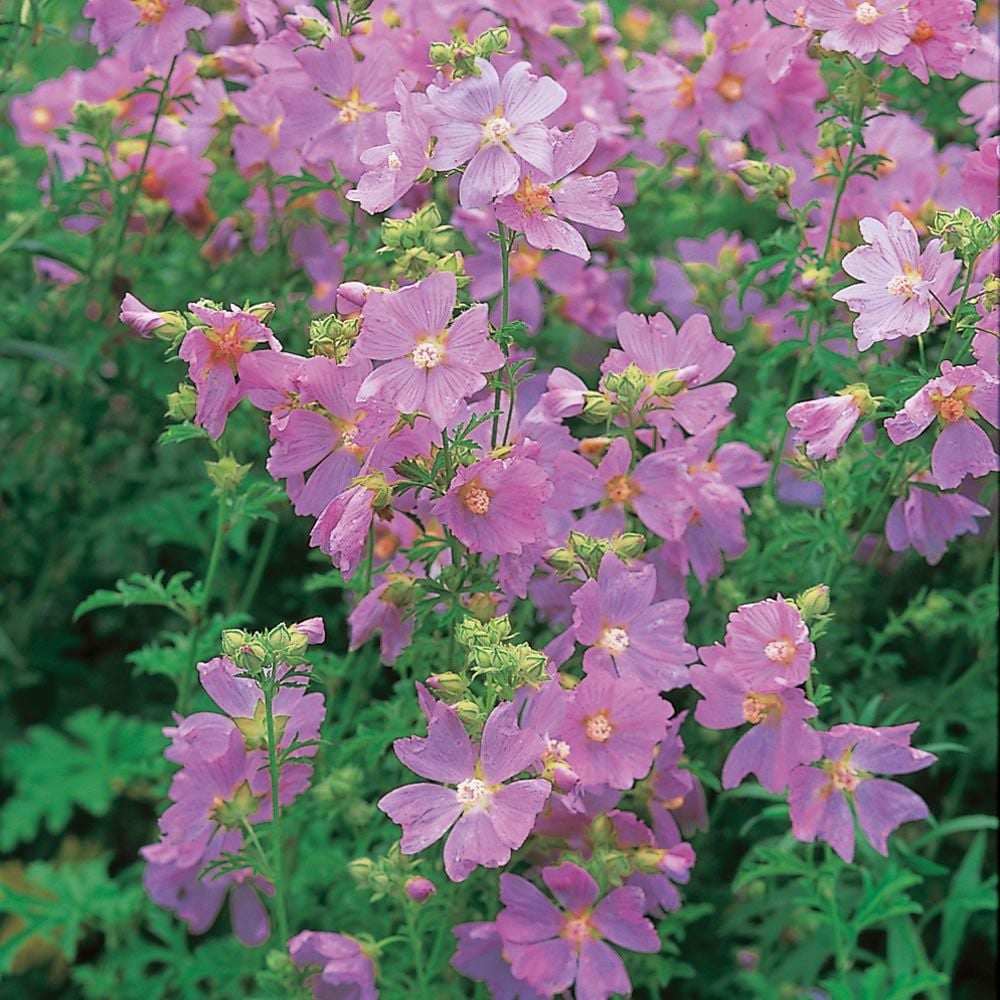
968	895
140	589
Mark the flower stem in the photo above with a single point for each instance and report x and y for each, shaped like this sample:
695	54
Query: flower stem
413	932
260	564
276	847
504	316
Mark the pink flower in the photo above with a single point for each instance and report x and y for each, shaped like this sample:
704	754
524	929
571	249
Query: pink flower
344	968
543	201
629	635
384	609
481	956
926	520
152	31
493	818
495	506
612	726
694	356
820	798
140	317
895	296
941	36
823	425
341	531
779	739
962	448
433	364
768	644
484	122
552	948
981	178
213	352
859	26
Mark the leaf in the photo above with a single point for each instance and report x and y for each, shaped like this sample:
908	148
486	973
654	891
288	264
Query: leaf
968	895
176	433
885	899
98	758
140	589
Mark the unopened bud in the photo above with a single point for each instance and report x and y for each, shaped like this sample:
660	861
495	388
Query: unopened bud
311	29
861	395
596	407
666	383
361	870
561	560
420	889
492	41
469	712
629	545
227	474
351	297
262	311
182	404
814	602
449	685
440	54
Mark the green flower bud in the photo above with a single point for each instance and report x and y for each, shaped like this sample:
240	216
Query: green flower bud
361	871
262	311
867	403
561	560
814	602
666	384
451	686
469	713
440	54
492	41
629	545
232	814
313	30
227	474
360	6
596	407
174	327
182	404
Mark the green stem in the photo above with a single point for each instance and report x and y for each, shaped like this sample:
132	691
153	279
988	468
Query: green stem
161	106
275	772
953	326
260	564
413	932
187	677
504	315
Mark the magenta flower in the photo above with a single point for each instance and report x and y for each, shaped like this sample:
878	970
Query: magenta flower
484	122
341	531
962	448
213	352
823	425
820	798
151	31
495	506
493	818
481	956
629	635
860	27
612	727
926	520
780	739
895	296
344	970
384	609
552	948
393	168
768	644
692	354
941	36
433	364
140	317
543	202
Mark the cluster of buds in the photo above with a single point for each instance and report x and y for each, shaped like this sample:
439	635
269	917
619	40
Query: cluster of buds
392	875
461	54
582	553
226	474
770	179
255	651
332	336
492	655
965	233
421	245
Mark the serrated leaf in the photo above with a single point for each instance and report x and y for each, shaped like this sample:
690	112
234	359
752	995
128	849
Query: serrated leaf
151	591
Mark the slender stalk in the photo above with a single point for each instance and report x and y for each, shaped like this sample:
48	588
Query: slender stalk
504	316
413	932
161	106
953	326
259	565
277	870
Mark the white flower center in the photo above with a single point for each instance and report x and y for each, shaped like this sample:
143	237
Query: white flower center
598	728
477	500
866	14
615	640
780	651
496	129
427	354
901	284
472	793
558	749
393	162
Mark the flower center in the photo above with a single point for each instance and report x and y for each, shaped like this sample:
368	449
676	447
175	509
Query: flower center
901	284
730	87
273	131
351	107
231	813
619	489
556	749
842	775
496	129
576	929
866	13
227	346
392	161
524	263
598	728
923	32
952	406
685	93
41	118
151	11
534	198
427	354
472	793
476	499
614	640
760	707
781	651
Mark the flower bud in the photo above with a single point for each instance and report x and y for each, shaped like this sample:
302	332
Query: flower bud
483	607
420	889
561	560
351	297
648	860
469	712
262	311
867	403
233	640
449	685
440	54
182	404
814	602
596	407
174	326
629	545
227	474
360	6
602	829
666	384
361	870
492	41
288	645
311	29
